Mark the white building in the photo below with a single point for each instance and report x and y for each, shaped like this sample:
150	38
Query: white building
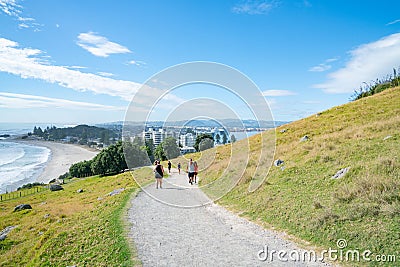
157	135
187	140
147	135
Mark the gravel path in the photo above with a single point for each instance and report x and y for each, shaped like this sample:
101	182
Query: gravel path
208	235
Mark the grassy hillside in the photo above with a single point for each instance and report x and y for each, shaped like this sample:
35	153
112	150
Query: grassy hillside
67	228
303	200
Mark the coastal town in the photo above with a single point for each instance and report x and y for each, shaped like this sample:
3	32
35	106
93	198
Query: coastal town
102	136
186	136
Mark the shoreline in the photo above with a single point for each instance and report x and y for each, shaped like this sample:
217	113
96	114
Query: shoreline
61	157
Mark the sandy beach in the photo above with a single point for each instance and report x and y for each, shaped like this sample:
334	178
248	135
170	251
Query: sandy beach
61	158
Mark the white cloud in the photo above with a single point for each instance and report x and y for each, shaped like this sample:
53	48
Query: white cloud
15	10
25	19
367	62
320	68
254	7
323	66
329	60
277	93
105	74
393	22
10	7
100	46
136	63
28	63
23	25
75	67
11	100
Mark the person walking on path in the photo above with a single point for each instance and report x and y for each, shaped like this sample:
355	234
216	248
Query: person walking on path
169	166
179	167
158	173
190	171
196	169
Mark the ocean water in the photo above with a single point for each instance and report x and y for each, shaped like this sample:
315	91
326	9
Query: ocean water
20	163
243	135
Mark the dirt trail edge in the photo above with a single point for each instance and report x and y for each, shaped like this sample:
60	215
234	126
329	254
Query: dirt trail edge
209	235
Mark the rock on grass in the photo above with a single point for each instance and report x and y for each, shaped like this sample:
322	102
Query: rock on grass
341	173
56	187
5	232
23	207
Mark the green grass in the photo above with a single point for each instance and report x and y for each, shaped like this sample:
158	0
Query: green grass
363	207
22	192
67	228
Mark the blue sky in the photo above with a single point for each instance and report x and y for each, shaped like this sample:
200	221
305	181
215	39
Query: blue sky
82	61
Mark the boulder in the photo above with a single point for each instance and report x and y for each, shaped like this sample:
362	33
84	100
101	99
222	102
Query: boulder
56	187
116	192
283	131
341	173
80	190
23	207
304	138
278	162
5	232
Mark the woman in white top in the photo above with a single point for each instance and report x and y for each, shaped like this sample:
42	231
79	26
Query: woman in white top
190	170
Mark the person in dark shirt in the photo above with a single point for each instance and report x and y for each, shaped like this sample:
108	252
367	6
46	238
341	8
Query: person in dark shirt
169	166
158	173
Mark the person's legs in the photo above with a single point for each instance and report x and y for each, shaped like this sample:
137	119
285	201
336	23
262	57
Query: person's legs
160	183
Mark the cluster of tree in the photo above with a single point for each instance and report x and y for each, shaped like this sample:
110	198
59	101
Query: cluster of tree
30	185
221	140
149	148
112	160
63	177
167	149
78	134
377	86
203	142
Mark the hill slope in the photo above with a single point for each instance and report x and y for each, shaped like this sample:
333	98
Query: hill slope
362	207
67	228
